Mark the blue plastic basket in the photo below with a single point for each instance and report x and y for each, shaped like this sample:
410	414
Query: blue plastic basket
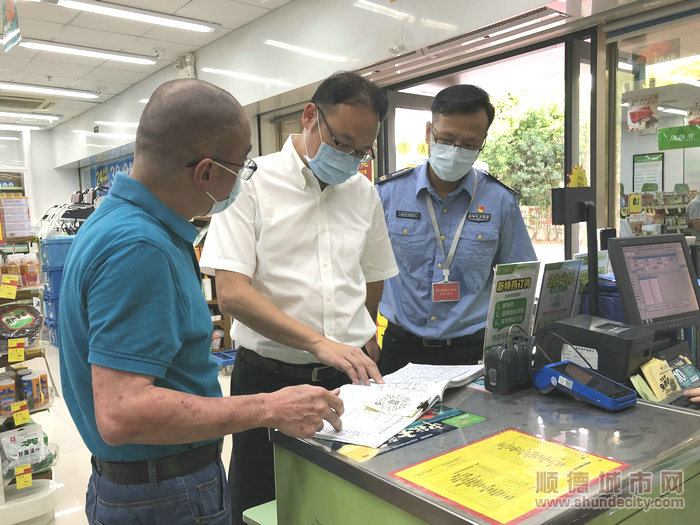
51	309
53	332
52	280
224	358
54	251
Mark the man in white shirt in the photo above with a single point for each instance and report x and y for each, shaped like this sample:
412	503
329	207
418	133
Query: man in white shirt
300	263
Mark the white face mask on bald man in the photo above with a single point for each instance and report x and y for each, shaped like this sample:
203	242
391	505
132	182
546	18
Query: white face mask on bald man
220	206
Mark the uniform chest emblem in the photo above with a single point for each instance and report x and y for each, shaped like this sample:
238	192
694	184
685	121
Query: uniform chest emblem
407	214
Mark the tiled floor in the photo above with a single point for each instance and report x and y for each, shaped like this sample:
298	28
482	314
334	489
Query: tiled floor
73	469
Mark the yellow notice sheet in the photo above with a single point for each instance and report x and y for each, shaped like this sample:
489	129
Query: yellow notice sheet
509	476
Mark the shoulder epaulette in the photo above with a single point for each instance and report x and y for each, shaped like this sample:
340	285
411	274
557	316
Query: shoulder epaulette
514	192
392	176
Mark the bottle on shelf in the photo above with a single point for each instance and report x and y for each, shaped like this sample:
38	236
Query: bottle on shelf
12	267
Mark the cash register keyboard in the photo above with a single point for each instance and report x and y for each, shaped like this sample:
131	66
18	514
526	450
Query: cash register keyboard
684	402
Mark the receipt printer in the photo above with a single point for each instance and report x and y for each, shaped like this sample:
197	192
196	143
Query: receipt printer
616	350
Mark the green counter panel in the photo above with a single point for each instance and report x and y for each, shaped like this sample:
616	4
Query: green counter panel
342	502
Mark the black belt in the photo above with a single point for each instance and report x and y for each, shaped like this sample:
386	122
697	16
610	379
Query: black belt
166	467
436	343
312	372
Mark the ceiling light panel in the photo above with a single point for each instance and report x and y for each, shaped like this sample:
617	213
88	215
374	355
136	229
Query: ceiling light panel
68	49
35	116
17	127
139	15
43	90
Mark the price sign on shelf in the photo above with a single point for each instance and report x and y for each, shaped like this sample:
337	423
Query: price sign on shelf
8	286
24	476
635	203
15	350
20	413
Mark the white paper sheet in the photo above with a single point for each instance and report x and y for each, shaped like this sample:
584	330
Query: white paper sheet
375	413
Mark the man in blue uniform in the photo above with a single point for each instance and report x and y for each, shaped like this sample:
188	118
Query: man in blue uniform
449	225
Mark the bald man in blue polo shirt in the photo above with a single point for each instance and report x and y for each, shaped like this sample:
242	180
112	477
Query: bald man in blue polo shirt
135	330
449	225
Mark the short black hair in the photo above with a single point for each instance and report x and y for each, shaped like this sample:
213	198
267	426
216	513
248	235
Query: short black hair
346	87
463	98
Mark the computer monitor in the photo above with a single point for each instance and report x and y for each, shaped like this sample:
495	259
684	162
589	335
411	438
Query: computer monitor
656	281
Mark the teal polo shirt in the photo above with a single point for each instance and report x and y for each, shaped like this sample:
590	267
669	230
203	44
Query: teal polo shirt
131	300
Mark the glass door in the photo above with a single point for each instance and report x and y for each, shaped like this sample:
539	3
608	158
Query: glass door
405	131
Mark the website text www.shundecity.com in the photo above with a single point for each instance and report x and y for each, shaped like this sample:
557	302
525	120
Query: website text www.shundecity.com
576	494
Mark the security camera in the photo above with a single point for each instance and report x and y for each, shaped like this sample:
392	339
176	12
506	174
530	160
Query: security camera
185	66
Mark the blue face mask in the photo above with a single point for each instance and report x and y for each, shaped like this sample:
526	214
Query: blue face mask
451	164
220	206
330	165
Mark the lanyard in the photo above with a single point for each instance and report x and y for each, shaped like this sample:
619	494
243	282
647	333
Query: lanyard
453	247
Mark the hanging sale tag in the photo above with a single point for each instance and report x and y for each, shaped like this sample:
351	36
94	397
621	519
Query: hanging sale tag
15	349
444	292
8	286
20	413
23	475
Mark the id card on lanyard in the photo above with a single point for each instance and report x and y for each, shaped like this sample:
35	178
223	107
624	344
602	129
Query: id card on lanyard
446	290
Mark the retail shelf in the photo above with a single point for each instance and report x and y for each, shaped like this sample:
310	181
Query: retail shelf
31	352
31	502
680	95
20	240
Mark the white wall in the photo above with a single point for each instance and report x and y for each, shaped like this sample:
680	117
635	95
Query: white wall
45	185
334	27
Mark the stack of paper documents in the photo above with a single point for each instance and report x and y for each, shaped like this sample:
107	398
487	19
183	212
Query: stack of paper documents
375	413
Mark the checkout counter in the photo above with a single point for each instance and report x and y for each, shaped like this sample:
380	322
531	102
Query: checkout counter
317	485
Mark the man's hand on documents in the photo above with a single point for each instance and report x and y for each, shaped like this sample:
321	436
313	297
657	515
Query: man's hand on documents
350	359
299	411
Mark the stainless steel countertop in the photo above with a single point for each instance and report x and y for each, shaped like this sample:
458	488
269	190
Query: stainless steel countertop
649	437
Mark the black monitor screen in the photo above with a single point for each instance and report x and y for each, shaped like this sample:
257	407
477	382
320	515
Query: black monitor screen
656	281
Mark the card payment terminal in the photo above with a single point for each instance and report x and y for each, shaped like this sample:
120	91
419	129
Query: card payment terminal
584	384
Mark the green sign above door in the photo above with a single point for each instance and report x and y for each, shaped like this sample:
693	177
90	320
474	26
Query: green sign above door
679	137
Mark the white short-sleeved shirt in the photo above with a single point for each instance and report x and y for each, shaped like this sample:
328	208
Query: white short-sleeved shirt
693	209
310	252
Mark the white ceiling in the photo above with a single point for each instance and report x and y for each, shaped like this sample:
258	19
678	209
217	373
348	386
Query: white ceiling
44	21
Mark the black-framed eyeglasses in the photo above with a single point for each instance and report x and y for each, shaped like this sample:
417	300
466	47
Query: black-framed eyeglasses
245	170
363	156
468	147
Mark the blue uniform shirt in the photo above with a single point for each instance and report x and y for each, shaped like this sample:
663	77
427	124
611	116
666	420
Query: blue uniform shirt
131	300
495	233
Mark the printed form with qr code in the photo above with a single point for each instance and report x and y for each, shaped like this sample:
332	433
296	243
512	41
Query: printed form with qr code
375	413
